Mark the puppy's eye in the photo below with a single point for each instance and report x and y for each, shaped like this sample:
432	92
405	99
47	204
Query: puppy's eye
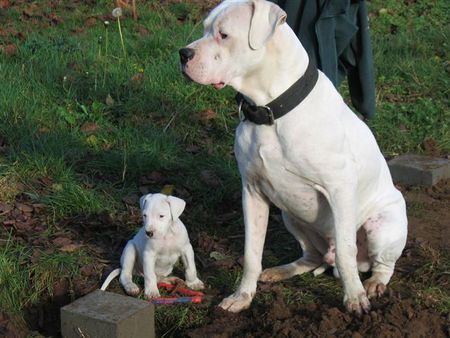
223	36
161	216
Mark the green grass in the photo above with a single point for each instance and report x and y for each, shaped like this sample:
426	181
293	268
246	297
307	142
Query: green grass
146	116
411	53
23	283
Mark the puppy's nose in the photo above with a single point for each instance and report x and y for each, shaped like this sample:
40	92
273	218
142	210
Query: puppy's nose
186	54
149	233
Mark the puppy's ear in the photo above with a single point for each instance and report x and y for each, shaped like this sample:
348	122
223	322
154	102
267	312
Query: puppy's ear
177	206
143	200
266	17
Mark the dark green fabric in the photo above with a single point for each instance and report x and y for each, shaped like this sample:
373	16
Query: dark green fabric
336	35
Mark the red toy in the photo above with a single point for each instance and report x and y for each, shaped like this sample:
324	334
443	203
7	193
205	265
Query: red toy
189	296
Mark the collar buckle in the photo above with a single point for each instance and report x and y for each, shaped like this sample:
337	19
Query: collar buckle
269	113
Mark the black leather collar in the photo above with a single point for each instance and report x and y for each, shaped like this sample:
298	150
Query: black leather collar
283	104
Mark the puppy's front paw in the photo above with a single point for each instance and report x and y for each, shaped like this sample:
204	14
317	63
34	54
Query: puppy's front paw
357	304
149	294
236	302
197	284
131	289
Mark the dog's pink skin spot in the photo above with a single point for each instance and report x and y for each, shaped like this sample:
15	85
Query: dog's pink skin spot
330	256
372	225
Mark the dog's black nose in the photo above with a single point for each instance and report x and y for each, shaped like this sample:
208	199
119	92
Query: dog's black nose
149	233
186	54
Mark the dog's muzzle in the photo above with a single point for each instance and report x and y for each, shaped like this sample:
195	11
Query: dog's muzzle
149	234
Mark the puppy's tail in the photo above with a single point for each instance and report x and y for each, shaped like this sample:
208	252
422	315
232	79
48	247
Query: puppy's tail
110	277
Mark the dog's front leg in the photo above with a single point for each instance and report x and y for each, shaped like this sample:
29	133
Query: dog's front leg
192	280
256	213
150	279
343	202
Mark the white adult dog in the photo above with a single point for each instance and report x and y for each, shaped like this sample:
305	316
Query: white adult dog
318	163
156	248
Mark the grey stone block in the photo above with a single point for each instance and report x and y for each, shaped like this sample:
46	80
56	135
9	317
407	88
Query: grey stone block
414	169
102	314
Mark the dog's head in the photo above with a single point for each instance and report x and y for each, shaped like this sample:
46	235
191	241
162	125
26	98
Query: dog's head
159	212
235	40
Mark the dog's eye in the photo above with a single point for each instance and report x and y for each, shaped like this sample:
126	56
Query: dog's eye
223	36
161	216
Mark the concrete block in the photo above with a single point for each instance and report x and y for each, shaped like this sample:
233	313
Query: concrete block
102	314
414	169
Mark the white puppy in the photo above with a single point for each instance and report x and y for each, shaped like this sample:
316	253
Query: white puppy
156	247
317	162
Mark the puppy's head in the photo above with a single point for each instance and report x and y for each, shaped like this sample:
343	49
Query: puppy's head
234	43
159	212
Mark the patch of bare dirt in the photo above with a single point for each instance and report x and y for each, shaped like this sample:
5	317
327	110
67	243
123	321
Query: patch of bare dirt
390	317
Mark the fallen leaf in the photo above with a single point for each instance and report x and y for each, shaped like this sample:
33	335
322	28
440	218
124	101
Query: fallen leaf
152	178
89	127
23	227
216	255
131	199
144	32
78	30
61	241
9	50
5	208
207	115
88	270
105	217
9	222
57	187
167	189
92	141
55	19
136	80
24	207
4	4
35	256
69	248
90	22
403	128
47	180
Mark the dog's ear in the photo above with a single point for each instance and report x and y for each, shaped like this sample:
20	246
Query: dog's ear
177	206
266	18
143	200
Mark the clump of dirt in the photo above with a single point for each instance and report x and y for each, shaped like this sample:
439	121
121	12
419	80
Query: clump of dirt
391	316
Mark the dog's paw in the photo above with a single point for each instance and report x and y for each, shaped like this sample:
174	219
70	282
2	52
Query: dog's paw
149	294
236	302
374	287
357	304
195	285
131	289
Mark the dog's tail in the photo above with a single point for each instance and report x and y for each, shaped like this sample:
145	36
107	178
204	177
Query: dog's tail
110	277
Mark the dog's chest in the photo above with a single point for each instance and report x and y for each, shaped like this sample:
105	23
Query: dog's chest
262	164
